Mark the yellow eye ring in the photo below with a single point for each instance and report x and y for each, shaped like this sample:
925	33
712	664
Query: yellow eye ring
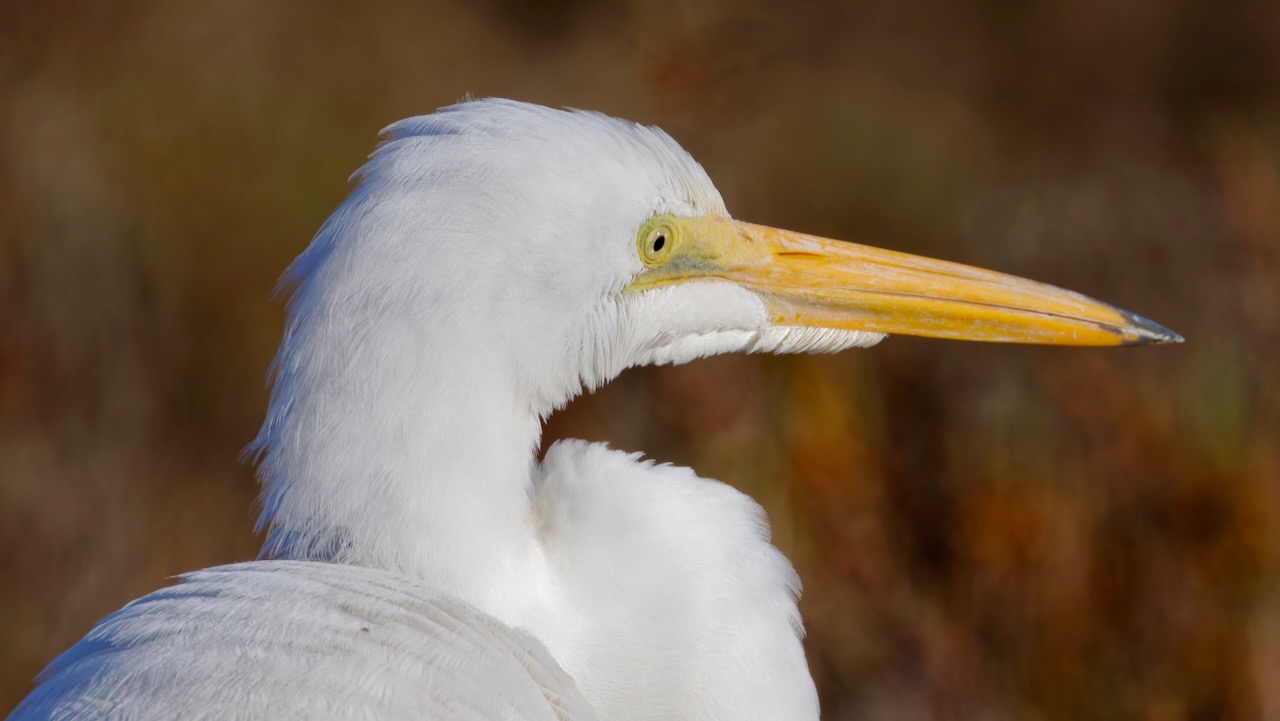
657	239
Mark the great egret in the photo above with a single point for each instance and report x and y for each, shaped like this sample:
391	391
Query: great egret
495	260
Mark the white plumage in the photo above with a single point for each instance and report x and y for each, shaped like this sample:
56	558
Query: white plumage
297	639
494	260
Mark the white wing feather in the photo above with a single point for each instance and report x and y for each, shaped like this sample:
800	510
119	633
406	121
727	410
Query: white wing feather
301	640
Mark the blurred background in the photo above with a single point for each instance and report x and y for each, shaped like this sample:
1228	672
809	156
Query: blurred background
983	532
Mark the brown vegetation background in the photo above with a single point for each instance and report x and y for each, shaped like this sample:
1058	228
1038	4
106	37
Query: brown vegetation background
984	532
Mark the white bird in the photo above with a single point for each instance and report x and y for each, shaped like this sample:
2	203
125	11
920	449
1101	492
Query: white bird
495	260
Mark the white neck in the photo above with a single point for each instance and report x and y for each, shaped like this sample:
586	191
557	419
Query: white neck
379	451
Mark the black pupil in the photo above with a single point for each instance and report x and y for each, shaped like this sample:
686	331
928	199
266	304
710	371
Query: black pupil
658	242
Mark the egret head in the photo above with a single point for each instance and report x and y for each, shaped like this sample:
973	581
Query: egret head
569	245
495	259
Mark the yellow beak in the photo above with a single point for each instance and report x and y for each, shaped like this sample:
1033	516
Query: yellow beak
809	281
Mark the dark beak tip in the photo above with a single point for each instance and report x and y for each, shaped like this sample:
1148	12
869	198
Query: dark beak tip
1148	332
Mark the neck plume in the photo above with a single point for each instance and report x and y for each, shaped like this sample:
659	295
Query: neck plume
392	442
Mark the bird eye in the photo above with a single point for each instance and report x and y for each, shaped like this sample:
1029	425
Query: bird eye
656	241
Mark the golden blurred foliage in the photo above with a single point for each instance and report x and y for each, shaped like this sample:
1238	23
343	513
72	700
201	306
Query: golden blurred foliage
984	532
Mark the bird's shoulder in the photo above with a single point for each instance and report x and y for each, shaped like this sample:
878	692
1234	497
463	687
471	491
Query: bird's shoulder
589	488
668	565
617	520
295	639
